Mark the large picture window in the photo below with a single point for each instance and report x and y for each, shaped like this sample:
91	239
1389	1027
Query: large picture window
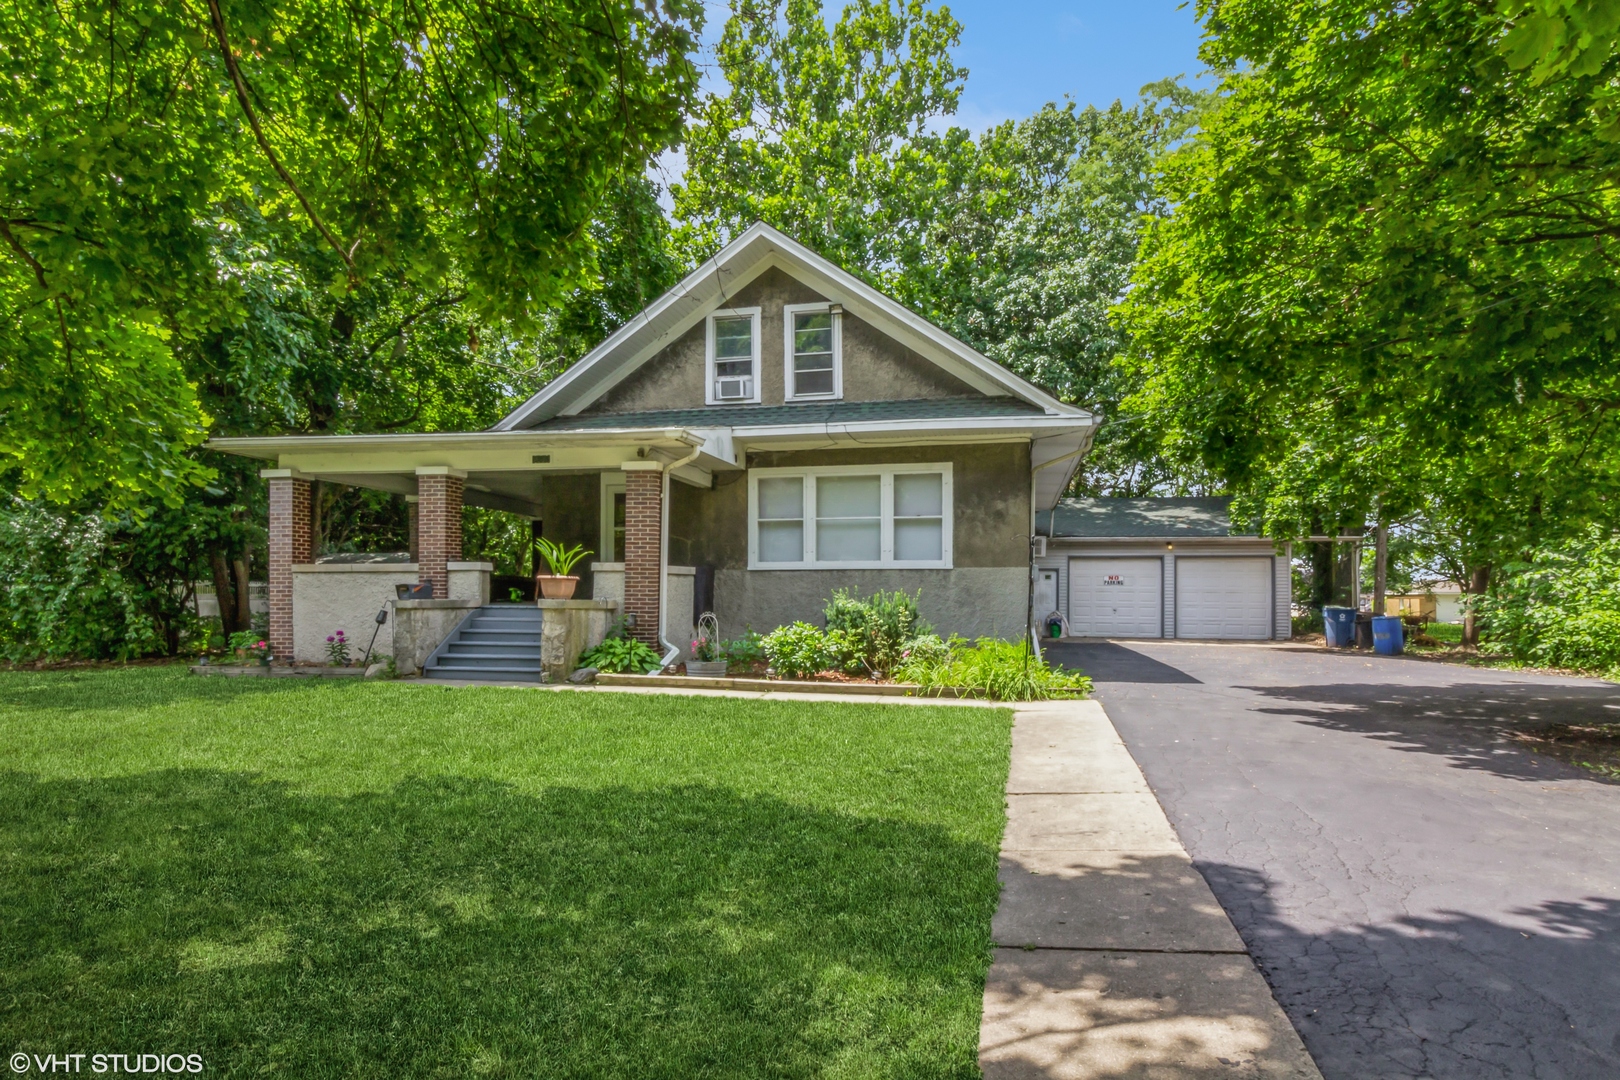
850	517
732	341
813	352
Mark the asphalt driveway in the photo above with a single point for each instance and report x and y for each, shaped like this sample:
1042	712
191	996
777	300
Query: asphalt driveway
1426	898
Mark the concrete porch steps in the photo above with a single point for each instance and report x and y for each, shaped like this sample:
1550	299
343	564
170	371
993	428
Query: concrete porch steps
496	642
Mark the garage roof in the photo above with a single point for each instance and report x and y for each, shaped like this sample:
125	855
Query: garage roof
1158	518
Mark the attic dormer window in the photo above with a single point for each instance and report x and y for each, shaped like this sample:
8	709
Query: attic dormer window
733	357
813	351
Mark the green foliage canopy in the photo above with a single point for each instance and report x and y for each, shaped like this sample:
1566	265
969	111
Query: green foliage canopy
1388	284
461	152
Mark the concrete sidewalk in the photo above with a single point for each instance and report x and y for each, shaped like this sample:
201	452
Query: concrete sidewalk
1113	958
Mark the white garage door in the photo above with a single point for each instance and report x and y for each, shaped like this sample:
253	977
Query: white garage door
1223	598
1116	597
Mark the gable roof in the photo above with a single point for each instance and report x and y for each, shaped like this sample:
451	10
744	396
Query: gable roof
756	250
1156	518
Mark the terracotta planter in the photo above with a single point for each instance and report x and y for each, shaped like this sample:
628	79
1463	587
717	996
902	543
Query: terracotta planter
706	669
557	587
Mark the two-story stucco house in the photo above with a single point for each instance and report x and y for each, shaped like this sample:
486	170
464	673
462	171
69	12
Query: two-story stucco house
767	431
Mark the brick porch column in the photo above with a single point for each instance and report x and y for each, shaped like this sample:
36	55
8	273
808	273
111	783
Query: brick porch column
643	546
438	525
290	543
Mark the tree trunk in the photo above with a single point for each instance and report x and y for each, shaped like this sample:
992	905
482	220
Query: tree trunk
1479	580
315	537
1322	575
225	593
244	595
1380	568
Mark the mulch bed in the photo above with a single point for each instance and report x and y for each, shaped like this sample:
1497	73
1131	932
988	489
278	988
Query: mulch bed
759	671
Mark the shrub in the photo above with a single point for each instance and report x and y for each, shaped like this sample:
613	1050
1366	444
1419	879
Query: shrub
929	650
1001	670
745	651
801	650
1562	608
876	628
618	655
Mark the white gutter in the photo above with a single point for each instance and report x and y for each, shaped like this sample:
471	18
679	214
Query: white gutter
670	651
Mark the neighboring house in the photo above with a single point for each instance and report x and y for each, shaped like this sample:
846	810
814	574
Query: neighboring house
1441	601
1160	568
768	431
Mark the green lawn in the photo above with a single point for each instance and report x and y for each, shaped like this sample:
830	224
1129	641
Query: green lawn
314	879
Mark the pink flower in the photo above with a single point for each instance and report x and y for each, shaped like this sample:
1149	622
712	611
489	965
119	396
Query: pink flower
330	638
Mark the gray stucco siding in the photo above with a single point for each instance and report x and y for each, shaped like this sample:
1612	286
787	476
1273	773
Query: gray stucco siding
875	366
990	517
975	601
984	593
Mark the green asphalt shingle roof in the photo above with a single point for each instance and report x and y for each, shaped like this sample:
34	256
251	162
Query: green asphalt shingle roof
832	412
1104	518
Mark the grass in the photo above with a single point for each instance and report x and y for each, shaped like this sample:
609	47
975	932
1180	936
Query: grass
1446	633
314	879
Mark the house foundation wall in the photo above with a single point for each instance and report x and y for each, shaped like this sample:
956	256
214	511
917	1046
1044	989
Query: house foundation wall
971	601
328	597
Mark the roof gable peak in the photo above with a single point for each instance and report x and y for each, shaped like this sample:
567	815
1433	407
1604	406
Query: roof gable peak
707	288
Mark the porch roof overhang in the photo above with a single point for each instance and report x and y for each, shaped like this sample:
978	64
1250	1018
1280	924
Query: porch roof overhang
504	469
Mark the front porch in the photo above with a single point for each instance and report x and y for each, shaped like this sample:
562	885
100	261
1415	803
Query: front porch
607	491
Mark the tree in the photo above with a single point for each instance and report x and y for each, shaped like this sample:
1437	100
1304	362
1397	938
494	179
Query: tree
822	133
1019	242
1027	255
447	153
1387	281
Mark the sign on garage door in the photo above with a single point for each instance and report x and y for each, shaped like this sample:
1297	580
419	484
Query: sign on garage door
1223	598
1116	597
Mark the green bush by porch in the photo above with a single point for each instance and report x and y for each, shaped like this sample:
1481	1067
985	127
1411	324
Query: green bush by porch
315	879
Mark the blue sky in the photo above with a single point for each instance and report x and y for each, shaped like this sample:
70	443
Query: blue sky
1020	55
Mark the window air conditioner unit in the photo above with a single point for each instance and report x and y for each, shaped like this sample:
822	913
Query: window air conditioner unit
735	388
1038	546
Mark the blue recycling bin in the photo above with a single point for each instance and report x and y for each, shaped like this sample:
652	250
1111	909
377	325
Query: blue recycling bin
1389	636
1339	627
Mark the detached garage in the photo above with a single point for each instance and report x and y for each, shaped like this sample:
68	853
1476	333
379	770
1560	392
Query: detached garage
1160	568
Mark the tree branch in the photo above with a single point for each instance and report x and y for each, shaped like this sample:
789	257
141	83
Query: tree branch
218	19
448	301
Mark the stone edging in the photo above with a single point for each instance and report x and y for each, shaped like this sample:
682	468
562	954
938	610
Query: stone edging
238	671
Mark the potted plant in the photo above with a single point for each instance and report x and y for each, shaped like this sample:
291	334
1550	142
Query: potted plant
260	650
559	584
708	659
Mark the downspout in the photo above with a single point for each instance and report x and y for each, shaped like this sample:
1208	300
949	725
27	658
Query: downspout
670	651
1029	602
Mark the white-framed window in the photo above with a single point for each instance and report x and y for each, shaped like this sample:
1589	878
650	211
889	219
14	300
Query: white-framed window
812	352
732	350
850	517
